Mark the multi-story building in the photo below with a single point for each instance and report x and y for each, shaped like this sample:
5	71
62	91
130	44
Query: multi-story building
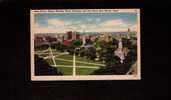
71	35
77	36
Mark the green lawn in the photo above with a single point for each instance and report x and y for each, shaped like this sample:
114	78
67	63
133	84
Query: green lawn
66	66
66	70
67	57
78	58
79	71
59	62
84	71
70	57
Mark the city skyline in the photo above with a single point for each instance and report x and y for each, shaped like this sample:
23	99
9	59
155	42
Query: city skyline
85	22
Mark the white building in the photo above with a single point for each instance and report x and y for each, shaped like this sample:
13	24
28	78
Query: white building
119	52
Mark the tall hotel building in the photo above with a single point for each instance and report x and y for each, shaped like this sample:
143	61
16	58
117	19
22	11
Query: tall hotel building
73	35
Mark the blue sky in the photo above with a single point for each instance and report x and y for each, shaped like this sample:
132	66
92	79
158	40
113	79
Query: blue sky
101	22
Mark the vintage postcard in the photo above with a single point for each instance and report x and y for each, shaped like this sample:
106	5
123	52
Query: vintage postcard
85	44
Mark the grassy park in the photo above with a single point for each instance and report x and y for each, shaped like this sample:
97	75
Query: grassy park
79	71
65	63
97	57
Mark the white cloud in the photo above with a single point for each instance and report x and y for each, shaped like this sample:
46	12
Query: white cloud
98	19
68	23
92	26
89	19
134	27
87	27
56	22
107	29
83	26
77	22
61	23
113	23
116	25
36	25
42	29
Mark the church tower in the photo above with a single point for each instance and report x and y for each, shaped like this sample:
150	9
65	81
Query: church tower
120	46
119	52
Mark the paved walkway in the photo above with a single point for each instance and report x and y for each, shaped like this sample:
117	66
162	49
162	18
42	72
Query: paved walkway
76	66
65	53
80	62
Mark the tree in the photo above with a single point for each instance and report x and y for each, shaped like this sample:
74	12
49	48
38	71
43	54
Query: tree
115	42
43	68
92	53
77	52
102	50
131	56
72	47
110	58
88	41
82	52
126	43
76	43
42	47
112	62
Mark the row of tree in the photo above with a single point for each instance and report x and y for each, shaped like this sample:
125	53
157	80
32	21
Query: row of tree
112	62
43	68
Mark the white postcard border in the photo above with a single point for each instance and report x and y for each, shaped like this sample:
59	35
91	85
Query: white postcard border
87	77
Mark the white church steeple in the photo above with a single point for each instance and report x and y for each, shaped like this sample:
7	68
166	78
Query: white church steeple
119	52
